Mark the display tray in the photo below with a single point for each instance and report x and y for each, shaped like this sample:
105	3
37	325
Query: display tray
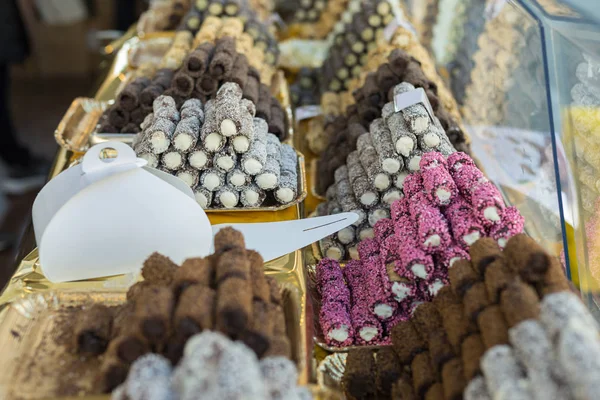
313	180
331	371
150	49
37	362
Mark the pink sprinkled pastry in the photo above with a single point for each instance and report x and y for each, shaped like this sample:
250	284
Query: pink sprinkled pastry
467	179
450	255
367	328
512	223
465	228
399	208
368	248
459	159
439	185
487	204
432	228
379	299
413	184
432	159
383	228
414	261
336	324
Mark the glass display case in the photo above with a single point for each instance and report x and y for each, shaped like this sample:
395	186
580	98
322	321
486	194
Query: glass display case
527	76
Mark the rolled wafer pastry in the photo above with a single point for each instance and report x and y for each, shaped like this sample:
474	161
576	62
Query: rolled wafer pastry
263	106
194	311
403	389
484	252
228	110
416	116
149	94
183	84
269	177
413	161
432	227
252	87
359	181
435	139
359	377
386	78
241	142
437	181
254	160
488	204
399	180
197	61
203	196
423	374
93	329
475	300
153	310
492	325
210	137
332	249
497	278
288	179
370	162
189	175
173	160
223	59
186	134
462	276
466	230
259	331
391	195
159	134
277	121
453	379
192	108
511	223
207	85
346	197
252	196
519	302
237	178
477	390
225	160
376	214
239	72
212	179
118	117
456	324
129	98
199	159
234	305
382	140
165	107
227	196
113	372
414	261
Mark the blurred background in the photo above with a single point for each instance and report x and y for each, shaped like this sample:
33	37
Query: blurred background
51	51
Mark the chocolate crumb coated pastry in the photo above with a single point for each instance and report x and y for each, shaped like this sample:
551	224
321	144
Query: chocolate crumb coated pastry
239	72
477	390
403	389
456	324
263	106
93	329
223	59
554	280
407	342
359	376
427	320
134	290
194	312
288	178
193	271
118	117
228	238
159	269
500	367
277	123
475	300
129	344
183	84
261	290
423	373
453	379
435	392
492	325
258	334
113	372
462	276
519	302
234	306
389	370
440	350
483	252
472	351
197	61
153	311
129	98
252	86
527	258
280	346
497	277
232	263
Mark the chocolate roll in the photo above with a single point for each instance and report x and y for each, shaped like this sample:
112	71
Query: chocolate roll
153	312
497	278
407	342
134	290
165	107
203	197
234	306
183	84
427	320
483	252
277	124
280	346
492	325
414	75
440	350
210	137
149	94
288	177
207	85
472	351
129	98
193	271
527	258
475	300
118	117
263	106
159	269
261	291
554	280
519	302
186	134
113	372
360	374
223	59
198	60
435	392
226	197
456	324
159	134
388	371
252	196
462	277
194	312
359	181
252	86
232	263
398	60
259	332
93	329
228	238
239	72
423	374
453	379
386	78
403	389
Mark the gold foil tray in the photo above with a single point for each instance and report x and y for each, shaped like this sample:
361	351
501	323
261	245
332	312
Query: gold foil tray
81	117
313	179
34	344
315	298
149	50
331	371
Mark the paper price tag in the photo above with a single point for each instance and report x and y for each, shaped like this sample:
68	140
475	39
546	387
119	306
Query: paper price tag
306	112
407	99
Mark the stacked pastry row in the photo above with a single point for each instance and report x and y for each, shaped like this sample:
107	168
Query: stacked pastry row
408	260
227	292
349	52
223	151
222	368
305	89
200	75
378	91
488	327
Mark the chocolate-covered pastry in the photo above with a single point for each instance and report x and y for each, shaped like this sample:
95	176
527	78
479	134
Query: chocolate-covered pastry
261	291
93	329
497	278
435	392
112	373
263	106
423	374
407	342
260	329
462	276
440	350
519	302
183	84
129	98
472	351
153	310
232	263
389	370
198	60
475	300
252	86
492	325
228	238
129	344
239	72
403	389
360	374
456	324
159	269
193	271
483	252
118	117
194	312
274	290
234	306
453	379
223	59
427	320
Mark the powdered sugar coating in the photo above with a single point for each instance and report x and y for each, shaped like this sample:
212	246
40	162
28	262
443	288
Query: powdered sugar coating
280	376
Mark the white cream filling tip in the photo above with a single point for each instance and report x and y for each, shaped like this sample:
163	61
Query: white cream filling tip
383	311
241	144
339	334
404	145
433	241
228	128
391	166
334	253
491	214
285	195
228	199
472	237
368	333
253	166
419	270
443	195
